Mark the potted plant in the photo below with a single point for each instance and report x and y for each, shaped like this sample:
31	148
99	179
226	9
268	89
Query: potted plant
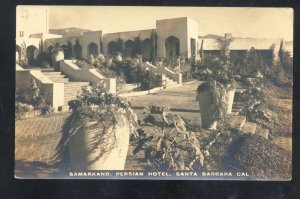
230	85
216	94
211	96
57	55
96	135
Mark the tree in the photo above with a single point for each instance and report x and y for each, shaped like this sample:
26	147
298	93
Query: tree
224	44
137	46
253	62
120	46
153	52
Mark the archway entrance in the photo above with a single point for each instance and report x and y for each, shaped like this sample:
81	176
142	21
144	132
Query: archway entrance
77	50
93	49
129	48
112	48
172	45
32	53
146	49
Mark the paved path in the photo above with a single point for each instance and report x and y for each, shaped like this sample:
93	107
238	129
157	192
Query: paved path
35	142
37	137
181	99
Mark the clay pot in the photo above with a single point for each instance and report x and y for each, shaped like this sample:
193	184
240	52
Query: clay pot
208	121
230	91
113	158
56	58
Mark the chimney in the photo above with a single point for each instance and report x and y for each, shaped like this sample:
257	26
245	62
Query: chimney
228	35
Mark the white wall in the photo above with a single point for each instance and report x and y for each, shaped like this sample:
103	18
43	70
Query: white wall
87	38
192	32
172	27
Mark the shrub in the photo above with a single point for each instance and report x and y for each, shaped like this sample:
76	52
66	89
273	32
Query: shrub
174	149
83	64
23	63
149	80
94	104
43	57
32	99
45	64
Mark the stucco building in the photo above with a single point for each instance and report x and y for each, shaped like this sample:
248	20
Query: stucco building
171	39
32	32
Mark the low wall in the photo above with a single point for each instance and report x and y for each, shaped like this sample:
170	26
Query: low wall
54	92
177	77
139	93
75	73
131	87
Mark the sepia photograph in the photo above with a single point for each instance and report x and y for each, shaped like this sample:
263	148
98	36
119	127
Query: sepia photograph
140	92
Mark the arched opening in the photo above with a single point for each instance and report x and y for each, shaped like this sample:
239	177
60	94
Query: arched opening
32	53
77	50
93	49
172	45
112	48
146	49
18	53
67	51
129	48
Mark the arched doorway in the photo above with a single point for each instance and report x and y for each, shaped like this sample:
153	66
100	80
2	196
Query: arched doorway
93	49
67	48
146	49
32	53
172	49
112	48
129	48
77	50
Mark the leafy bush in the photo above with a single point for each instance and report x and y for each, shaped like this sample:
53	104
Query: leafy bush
43	58
149	80
45	64
84	64
173	149
94	104
218	100
128	70
32	99
23	63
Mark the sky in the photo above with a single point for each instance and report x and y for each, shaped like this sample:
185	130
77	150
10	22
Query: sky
241	22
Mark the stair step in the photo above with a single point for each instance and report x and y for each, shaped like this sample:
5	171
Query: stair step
69	91
77	83
59	80
70	97
54	75
249	127
236	121
51	73
262	132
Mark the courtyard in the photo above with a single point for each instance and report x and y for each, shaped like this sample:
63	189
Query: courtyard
37	137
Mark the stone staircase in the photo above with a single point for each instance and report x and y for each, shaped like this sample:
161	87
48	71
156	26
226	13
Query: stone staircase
170	82
236	107
239	122
71	88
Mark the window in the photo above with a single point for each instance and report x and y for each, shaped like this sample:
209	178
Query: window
21	34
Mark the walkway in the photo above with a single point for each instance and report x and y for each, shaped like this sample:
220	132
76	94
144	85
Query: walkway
37	137
181	99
